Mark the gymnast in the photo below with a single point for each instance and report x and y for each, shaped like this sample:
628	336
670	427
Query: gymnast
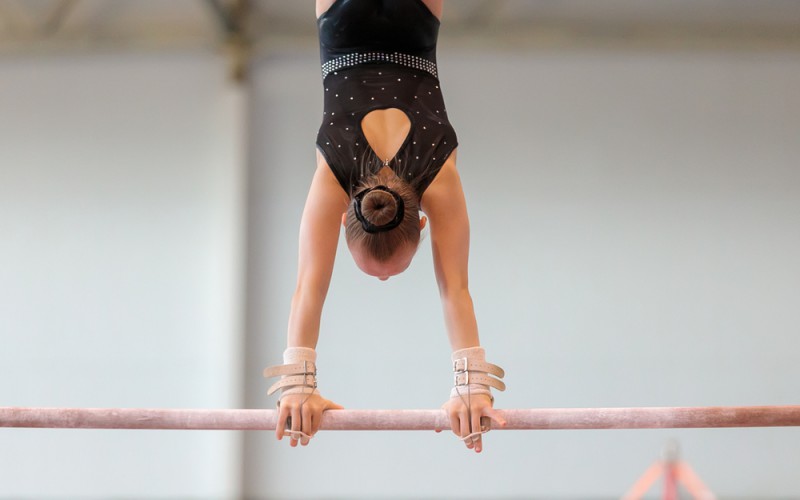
386	153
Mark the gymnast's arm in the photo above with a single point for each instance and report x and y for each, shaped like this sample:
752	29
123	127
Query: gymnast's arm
444	204
319	236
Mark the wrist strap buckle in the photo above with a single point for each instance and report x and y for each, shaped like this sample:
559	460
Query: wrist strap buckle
461	371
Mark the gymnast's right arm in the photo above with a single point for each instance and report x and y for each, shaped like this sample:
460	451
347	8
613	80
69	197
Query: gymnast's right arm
319	236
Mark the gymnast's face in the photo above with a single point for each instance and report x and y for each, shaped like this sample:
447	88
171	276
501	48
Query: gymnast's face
395	265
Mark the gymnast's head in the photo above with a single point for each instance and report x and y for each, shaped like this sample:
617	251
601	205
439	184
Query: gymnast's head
383	226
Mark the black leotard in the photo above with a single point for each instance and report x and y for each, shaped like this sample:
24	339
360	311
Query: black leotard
379	54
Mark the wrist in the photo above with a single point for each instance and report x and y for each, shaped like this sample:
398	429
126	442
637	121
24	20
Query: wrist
299	354
473	375
298	373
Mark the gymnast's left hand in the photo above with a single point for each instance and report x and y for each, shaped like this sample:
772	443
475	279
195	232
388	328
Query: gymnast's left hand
467	420
304	413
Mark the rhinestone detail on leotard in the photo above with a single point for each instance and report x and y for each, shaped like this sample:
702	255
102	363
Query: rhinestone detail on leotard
396	57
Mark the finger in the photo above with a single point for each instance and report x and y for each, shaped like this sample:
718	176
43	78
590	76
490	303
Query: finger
306	424
297	421
455	423
476	427
447	415
283	413
464	421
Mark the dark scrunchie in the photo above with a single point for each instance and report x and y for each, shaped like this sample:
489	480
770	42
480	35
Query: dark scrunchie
369	226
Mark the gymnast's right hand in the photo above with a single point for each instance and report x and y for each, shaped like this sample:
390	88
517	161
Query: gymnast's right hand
300	415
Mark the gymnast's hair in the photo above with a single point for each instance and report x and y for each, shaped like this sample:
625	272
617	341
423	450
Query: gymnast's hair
381	203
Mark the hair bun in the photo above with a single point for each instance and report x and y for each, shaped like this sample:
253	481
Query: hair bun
379	207
380	214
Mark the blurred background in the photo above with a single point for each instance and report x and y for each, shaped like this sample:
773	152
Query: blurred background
632	171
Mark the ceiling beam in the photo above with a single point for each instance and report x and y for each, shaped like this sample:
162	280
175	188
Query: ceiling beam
233	19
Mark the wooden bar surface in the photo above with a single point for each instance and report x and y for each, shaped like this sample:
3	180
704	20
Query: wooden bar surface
403	420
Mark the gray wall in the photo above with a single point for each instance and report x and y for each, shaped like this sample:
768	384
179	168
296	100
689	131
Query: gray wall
119	250
634	243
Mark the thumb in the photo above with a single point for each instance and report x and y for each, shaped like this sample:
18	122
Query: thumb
333	406
495	416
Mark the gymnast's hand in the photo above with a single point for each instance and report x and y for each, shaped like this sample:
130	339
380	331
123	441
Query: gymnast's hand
466	421
301	413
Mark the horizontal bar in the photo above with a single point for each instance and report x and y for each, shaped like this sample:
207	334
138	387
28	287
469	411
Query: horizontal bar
403	420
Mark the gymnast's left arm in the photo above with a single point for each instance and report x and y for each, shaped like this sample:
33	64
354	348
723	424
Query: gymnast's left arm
444	204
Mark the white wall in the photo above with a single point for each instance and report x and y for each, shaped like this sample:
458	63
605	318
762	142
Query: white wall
119	259
635	240
634	243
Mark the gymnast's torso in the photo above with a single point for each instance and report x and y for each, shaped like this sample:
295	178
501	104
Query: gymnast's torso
381	54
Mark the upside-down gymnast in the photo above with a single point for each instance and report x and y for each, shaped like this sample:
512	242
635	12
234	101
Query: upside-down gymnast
385	153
